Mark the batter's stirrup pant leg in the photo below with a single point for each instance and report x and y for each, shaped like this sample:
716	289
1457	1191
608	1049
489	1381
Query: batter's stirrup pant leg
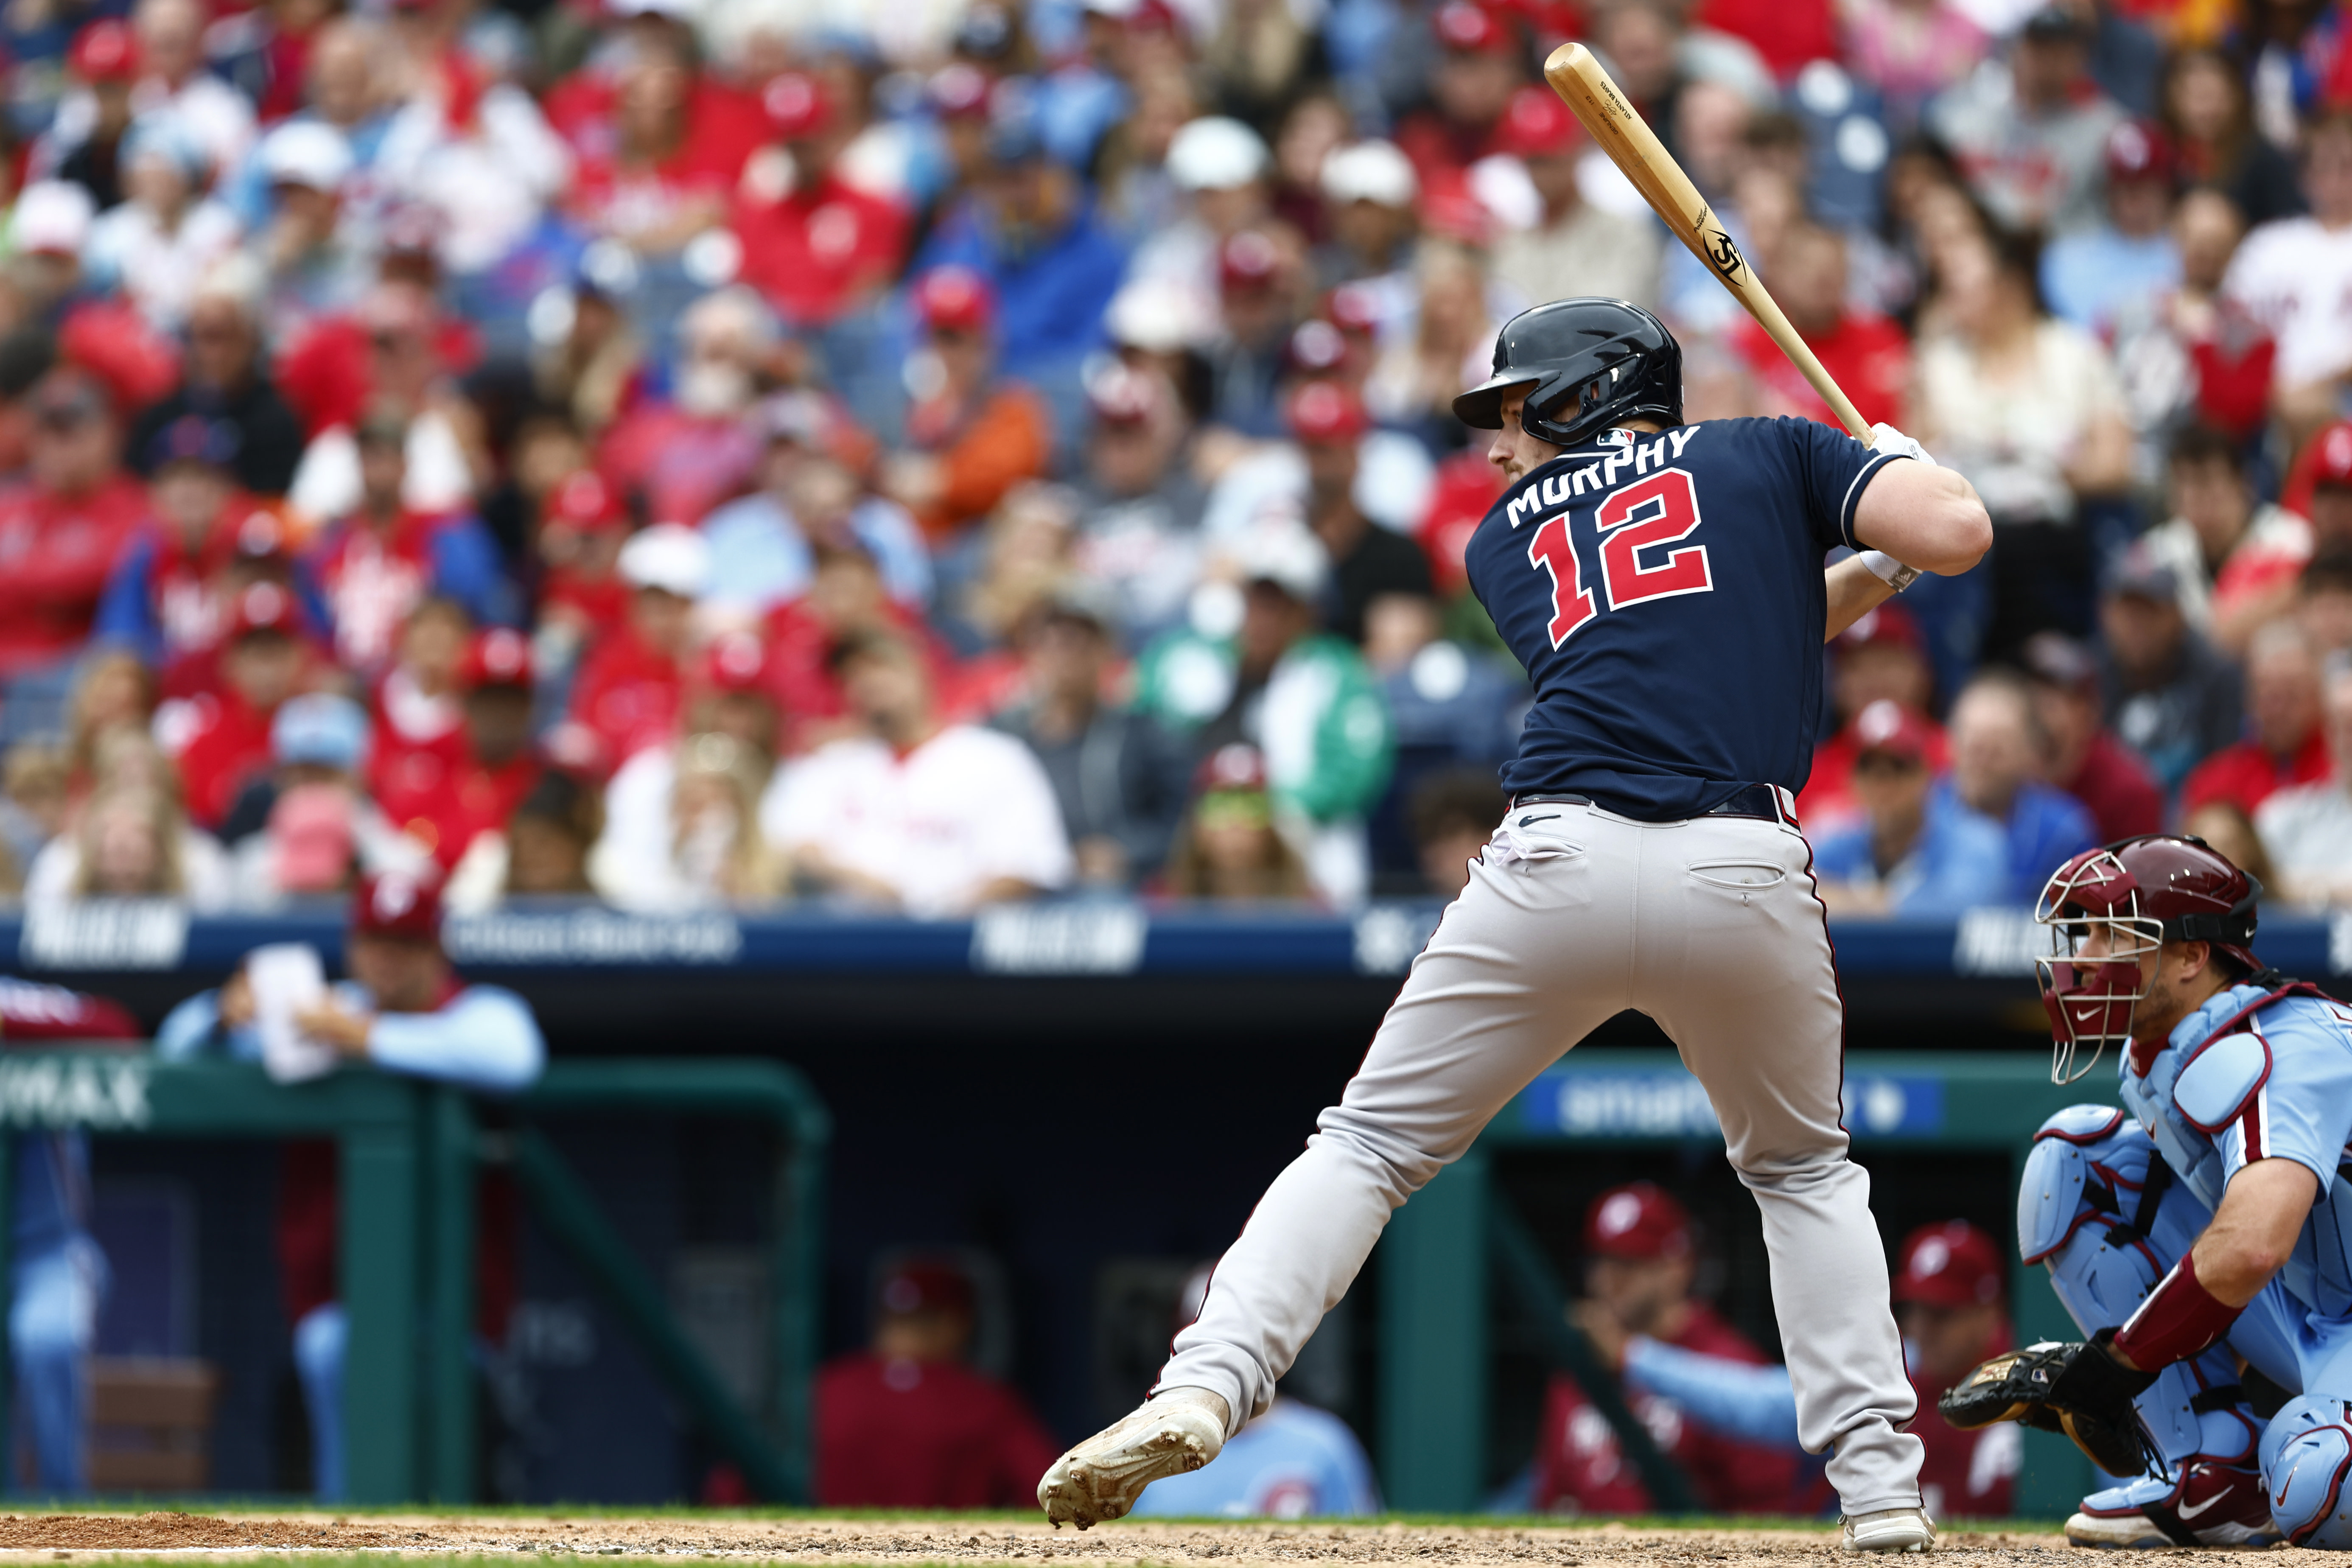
1571	917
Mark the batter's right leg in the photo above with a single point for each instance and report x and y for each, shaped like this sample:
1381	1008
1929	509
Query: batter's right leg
1528	960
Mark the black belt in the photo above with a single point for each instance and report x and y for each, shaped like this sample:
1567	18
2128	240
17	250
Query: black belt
1757	801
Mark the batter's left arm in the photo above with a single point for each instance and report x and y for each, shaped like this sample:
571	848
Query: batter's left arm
1855	590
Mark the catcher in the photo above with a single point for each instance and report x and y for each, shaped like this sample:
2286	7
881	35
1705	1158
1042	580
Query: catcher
2205	1222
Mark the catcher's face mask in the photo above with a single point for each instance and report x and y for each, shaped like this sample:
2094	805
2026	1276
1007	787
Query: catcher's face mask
2093	978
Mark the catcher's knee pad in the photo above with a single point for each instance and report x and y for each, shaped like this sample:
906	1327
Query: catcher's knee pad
2306	1462
2087	1165
2083	1183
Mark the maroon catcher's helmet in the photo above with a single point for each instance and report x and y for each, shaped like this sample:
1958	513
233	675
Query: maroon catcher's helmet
2144	892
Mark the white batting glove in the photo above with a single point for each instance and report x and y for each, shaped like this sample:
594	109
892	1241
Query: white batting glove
1885	439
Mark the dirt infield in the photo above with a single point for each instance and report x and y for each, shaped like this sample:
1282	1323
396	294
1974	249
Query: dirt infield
929	1539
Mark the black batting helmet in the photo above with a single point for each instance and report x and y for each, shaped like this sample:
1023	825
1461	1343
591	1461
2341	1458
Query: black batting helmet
1588	364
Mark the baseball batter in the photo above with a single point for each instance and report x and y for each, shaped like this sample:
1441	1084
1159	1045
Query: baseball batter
2210	1215
1663	583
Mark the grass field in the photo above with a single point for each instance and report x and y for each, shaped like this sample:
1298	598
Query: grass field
906	1540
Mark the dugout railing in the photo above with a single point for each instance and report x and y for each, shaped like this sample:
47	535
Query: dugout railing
1444	1251
410	1154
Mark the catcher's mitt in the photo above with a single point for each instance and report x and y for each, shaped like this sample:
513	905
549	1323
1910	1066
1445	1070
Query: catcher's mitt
2077	1389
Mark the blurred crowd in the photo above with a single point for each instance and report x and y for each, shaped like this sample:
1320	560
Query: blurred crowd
716	452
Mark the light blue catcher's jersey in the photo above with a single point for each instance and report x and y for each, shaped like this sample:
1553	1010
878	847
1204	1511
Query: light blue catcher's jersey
2276	1085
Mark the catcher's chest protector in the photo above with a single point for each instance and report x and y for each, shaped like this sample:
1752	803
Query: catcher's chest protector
2225	1089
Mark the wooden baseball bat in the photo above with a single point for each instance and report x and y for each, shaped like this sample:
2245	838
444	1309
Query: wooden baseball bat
1633	147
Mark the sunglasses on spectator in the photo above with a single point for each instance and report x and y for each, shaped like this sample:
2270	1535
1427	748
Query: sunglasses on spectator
1234	809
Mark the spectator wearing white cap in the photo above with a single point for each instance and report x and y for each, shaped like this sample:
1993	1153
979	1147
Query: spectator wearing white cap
1369	191
1266	678
627	696
1221	168
158	243
50	226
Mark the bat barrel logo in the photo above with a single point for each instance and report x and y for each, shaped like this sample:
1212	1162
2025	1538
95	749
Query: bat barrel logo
1723	255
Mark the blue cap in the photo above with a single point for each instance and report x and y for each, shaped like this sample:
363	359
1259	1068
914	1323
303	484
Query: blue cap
322	729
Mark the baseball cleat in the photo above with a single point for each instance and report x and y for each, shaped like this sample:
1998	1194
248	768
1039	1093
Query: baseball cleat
2210	1505
1888	1529
1101	1478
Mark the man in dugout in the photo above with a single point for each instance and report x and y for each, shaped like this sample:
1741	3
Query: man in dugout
403	1010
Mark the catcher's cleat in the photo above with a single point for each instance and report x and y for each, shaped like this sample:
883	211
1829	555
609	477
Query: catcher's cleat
2075	1388
1888	1529
2210	1505
1101	1478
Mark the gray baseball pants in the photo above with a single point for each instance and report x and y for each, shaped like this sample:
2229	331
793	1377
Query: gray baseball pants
1712	927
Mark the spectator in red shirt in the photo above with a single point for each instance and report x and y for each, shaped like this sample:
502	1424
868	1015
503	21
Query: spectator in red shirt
1865	354
814	245
1640	1259
497	765
1879	657
581	528
418	740
62	528
2289	744
374	566
627	696
164	595
2086	760
643	176
976	435
222	737
1478	66
680	457
904	1423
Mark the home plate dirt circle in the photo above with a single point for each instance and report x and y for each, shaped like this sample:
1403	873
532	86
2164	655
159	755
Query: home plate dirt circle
815	1538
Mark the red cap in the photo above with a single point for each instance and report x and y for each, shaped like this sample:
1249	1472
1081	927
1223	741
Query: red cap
955	300
104	51
1326	411
736	661
1887	726
796	106
586	502
928	1285
1949	1265
1450	208
1536	123
262	607
1641	1219
2333	468
1889	623
499	656
397	904
1460	25
1234	766
2138	150
1248	260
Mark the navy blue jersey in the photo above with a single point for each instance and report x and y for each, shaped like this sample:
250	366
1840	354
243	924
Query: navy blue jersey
1665	593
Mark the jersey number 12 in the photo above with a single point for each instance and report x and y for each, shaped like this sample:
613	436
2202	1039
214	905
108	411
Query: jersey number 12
1659	510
